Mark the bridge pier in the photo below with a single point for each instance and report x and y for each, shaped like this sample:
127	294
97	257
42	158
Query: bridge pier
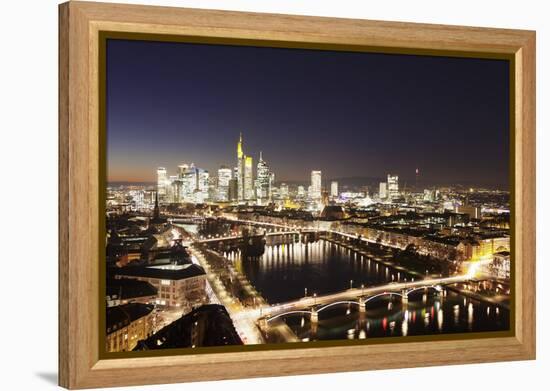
362	305
314	316
404	296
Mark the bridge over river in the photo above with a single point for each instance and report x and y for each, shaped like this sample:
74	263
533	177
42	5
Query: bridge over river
313	305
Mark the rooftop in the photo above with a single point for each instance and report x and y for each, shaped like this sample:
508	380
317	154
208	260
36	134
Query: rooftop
163	272
122	315
127	288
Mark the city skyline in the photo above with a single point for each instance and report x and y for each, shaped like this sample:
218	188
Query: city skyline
180	112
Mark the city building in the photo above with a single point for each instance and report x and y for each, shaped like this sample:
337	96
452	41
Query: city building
334	189
473	211
333	212
177	285
393	187
192	184
126	325
500	267
182	169
383	192
224	176
162	181
245	174
172	185
233	191
201	193
123	291
283	191
248	180
263	181
316	185
208	325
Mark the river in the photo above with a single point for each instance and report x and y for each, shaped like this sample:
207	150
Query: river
289	271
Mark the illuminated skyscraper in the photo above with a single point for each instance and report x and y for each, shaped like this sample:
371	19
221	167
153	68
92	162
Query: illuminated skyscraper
315	190
224	176
182	169
189	184
393	187
263	181
194	184
248	178
201	194
245	173
171	187
383	192
334	189
162	180
240	169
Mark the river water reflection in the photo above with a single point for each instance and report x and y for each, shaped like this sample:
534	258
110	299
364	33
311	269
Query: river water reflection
284	273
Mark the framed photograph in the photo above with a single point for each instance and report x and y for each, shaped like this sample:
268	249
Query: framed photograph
247	195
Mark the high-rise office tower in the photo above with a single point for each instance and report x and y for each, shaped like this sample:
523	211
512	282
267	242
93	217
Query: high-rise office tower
393	187
240	169
224	176
188	184
182	169
245	174
162	180
232	193
315	192
383	192
201	194
248	180
334	189
263	181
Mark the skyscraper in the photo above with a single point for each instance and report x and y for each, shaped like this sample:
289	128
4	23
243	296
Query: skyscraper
263	181
383	192
171	186
182	169
240	169
201	194
334	189
224	176
162	180
245	173
189	184
393	187
315	192
248	178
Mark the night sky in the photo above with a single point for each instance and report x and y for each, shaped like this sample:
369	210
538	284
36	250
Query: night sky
347	114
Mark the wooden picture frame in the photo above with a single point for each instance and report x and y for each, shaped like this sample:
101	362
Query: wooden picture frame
80	211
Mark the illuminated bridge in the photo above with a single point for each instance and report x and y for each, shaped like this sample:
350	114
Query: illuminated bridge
267	234
313	305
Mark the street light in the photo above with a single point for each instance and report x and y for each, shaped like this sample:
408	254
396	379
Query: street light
362	289
350	284
305	292
314	298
